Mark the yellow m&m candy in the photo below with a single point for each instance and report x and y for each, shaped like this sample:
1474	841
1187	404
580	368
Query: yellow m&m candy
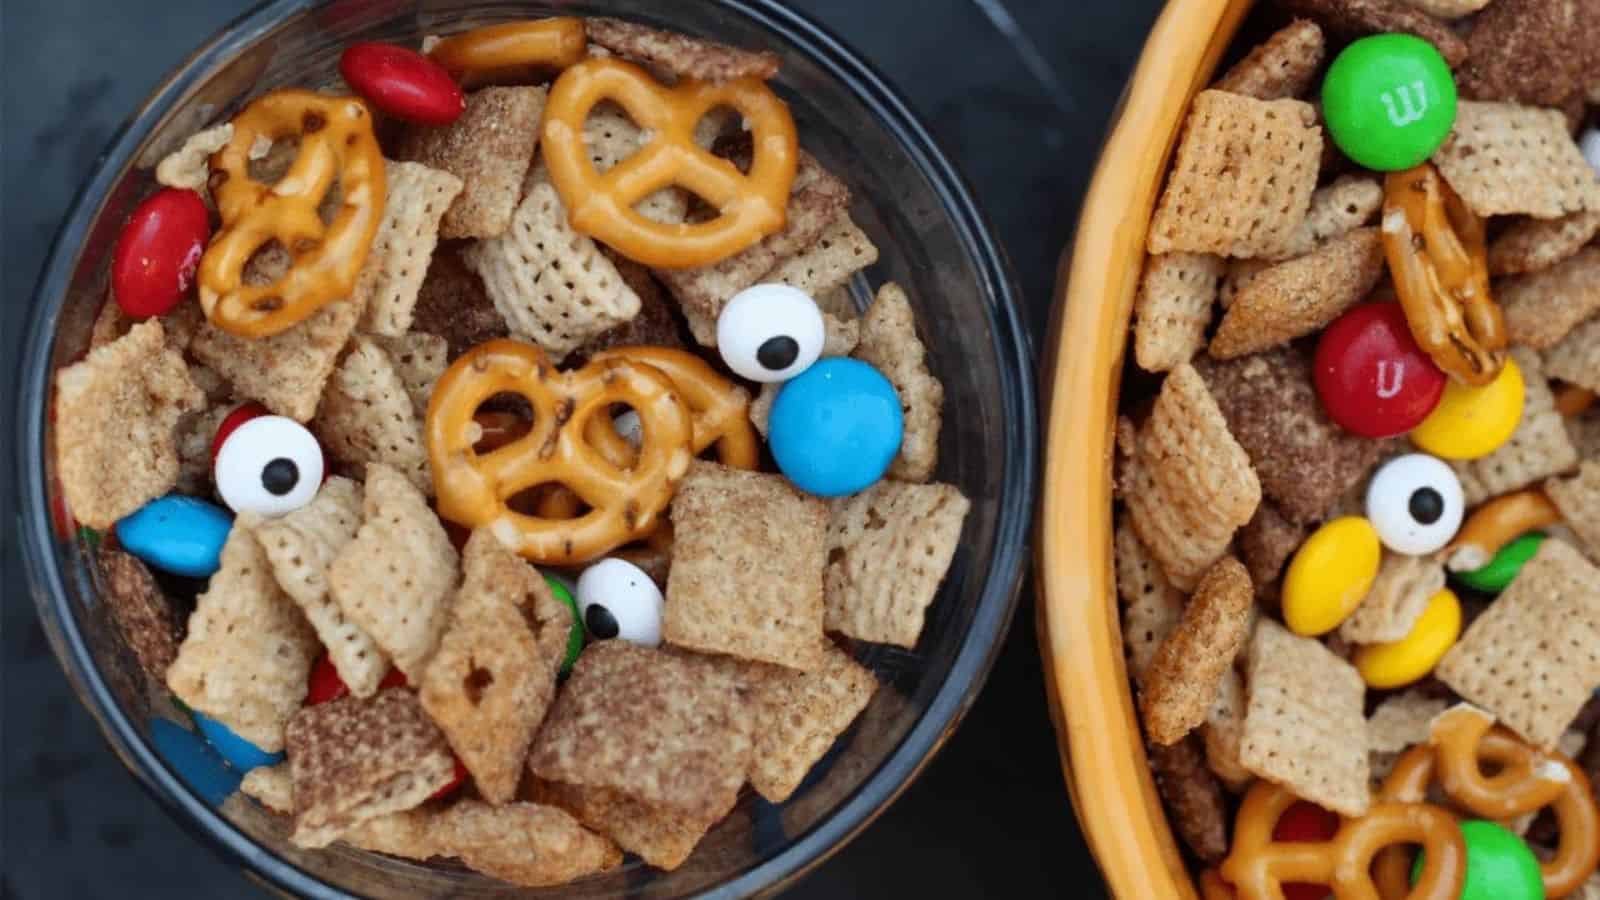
1401	662
1330	575
1471	422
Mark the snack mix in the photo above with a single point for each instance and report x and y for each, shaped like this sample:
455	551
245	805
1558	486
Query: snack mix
1359	519
488	455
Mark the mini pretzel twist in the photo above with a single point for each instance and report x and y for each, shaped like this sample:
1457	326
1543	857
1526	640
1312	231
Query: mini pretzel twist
751	205
336	142
1438	258
721	408
1258	866
1497	523
721	411
511	51
473	488
1463	739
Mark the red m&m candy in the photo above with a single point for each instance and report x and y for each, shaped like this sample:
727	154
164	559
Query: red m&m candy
158	251
1372	377
402	83
1309	823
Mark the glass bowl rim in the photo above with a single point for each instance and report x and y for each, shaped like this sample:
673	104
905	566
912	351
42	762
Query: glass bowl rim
963	678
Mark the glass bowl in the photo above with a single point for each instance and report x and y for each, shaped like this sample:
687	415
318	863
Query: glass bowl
907	196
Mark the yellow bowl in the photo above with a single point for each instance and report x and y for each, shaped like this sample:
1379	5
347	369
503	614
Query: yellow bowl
1102	754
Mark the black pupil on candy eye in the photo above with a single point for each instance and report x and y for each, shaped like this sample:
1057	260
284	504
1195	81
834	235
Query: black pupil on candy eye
1426	505
601	624
280	476
778	353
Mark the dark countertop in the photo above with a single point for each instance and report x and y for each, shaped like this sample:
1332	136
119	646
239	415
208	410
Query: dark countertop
990	816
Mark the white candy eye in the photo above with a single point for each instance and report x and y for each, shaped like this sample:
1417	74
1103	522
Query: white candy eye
1415	504
618	600
770	332
269	465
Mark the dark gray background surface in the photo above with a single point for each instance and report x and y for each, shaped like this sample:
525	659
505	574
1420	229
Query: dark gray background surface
1024	120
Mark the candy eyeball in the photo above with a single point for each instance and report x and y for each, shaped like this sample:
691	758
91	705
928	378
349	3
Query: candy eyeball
1415	504
269	465
770	332
618	600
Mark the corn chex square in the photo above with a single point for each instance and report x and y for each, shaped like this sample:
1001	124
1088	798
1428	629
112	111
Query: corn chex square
416	199
354	759
494	675
1302	695
1397	598
679	55
1539	447
1531	659
1189	484
889	343
747	560
149	620
395	580
1177	295
301	545
1578	498
1151	606
419	359
1531	245
1576	360
249	649
1296	298
1242	178
1503	158
688	756
367	415
888	550
552	284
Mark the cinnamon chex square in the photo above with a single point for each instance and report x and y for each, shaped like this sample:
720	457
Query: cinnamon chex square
354	759
494	675
747	562
489	148
688	755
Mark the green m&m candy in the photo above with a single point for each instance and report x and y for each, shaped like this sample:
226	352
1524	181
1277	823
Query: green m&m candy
1499	865
563	592
1493	577
1389	101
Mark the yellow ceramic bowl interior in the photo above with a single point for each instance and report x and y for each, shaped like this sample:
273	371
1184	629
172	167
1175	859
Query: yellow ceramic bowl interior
1102	754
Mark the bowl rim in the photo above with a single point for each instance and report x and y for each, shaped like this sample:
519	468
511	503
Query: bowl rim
1098	735
980	646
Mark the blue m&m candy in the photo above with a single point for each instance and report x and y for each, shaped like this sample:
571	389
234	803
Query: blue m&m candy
836	427
177	534
240	753
195	762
